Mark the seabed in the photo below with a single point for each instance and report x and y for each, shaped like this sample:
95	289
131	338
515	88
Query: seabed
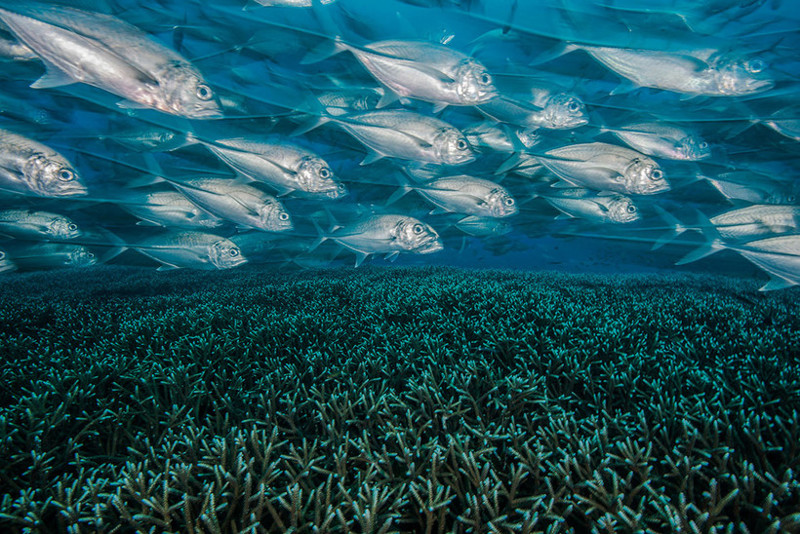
397	400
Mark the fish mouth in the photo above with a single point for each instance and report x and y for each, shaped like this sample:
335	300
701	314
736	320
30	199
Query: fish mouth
432	246
758	86
211	113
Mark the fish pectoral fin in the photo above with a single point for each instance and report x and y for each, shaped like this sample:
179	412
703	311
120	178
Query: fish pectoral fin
438	211
439	107
624	88
371	157
392	256
130	104
387	98
147	223
776	283
54	77
167	267
360	257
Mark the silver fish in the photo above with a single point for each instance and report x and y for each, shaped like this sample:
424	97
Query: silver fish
465	194
195	250
663	140
606	167
237	202
483	227
560	111
6	264
778	256
786	122
407	135
499	139
345	101
697	72
33	224
31	168
756	220
385	234
284	166
425	71
602	207
169	209
755	187
108	53
16	51
51	256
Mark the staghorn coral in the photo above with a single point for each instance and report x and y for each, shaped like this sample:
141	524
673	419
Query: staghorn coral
406	400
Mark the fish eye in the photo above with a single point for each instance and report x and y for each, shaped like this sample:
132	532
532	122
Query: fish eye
703	145
636	161
72	227
573	106
790	199
656	174
631	208
234	252
418	229
485	79
284	216
2	255
204	92
66	175
755	66
324	173
90	255
509	201
461	144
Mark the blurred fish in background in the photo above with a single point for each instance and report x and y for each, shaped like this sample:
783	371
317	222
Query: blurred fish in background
207	135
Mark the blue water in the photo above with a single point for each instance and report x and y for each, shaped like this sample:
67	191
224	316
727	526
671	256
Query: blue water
253	59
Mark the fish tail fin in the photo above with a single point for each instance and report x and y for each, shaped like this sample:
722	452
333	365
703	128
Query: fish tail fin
556	51
676	228
117	246
323	51
403	190
712	245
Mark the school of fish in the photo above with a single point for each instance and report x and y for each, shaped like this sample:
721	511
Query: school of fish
205	135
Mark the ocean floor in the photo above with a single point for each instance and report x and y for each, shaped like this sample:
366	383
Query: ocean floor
397	400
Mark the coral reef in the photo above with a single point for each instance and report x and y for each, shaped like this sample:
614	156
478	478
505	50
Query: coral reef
406	400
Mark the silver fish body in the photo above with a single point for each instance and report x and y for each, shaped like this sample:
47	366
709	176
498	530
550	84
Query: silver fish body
389	234
606	167
284	166
560	111
757	220
597	207
170	209
663	140
469	195
407	135
692	73
237	202
778	256
31	224
6	263
195	250
52	256
755	187
31	168
108	53
427	71
499	139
